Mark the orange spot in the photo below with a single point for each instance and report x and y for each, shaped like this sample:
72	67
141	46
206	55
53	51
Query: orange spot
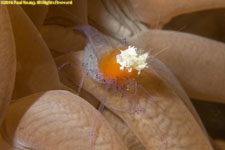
111	69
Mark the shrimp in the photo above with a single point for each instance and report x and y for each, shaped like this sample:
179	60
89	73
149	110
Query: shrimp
117	68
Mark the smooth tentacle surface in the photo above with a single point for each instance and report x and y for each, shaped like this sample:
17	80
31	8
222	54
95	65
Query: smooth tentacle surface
34	61
7	61
36	13
123	130
197	62
58	120
157	13
68	15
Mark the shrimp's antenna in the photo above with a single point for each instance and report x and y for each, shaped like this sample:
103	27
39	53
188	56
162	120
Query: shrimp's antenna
63	65
161	51
103	101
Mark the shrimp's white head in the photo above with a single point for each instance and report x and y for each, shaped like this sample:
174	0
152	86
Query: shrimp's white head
131	58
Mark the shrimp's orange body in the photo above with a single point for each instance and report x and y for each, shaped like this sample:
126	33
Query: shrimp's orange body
110	69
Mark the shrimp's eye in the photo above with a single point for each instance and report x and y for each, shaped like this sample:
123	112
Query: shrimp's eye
121	64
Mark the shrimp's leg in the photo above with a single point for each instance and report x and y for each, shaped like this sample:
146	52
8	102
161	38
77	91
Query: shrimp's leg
63	65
